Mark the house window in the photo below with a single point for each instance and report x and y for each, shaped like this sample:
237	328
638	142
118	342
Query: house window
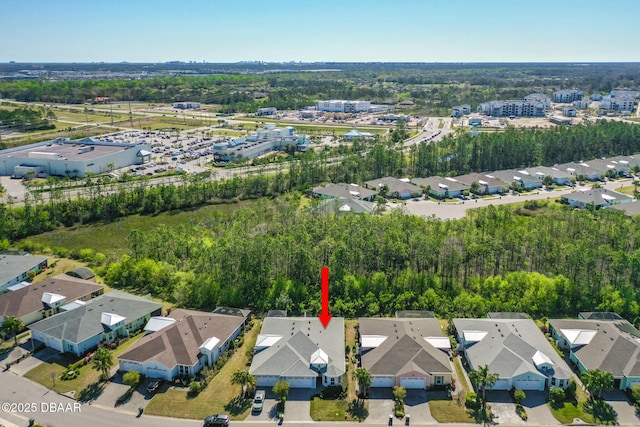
333	381
439	380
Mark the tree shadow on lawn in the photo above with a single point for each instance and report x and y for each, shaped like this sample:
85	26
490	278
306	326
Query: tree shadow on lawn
358	410
91	392
238	405
602	412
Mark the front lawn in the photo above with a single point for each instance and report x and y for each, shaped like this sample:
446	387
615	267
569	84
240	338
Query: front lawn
218	397
58	366
447	410
329	410
568	411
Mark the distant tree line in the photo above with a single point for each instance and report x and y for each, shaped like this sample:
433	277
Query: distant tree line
26	119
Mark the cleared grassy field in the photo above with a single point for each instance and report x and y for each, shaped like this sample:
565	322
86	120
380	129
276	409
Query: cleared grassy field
218	397
111	238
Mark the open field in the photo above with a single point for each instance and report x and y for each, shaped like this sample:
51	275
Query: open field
218	397
111	238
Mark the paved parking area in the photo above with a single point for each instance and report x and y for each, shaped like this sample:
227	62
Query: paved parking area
116	388
537	409
31	362
269	409
503	406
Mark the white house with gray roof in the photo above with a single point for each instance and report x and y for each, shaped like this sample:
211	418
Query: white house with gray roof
560	177
609	345
408	352
440	187
521	178
515	349
299	350
397	188
594	197
101	320
344	191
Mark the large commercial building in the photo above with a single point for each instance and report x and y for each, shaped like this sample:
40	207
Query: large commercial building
566	96
68	157
186	105
513	108
337	106
267	139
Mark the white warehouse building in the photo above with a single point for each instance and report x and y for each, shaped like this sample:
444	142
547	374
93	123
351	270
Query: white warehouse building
66	157
337	106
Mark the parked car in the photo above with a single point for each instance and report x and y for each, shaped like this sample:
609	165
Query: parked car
258	401
153	386
216	420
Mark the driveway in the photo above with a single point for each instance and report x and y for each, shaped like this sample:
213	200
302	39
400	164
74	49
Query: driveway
503	406
625	410
269	409
380	405
29	363
537	409
416	404
116	388
298	406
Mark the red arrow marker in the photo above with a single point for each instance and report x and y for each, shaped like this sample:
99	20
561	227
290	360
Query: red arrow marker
325	317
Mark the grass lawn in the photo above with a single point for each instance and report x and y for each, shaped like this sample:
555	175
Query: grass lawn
218	397
626	190
568	411
462	380
42	373
111	238
329	410
446	410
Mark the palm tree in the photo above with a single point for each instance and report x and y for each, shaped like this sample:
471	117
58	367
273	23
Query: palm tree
597	381
103	361
244	379
13	325
364	380
483	379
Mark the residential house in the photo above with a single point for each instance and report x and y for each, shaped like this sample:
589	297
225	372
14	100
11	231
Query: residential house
440	187
630	209
594	197
354	134
582	169
299	350
488	184
346	191
182	343
560	177
101	320
46	298
514	349
335	206
408	352
611	345
521	178
16	268
395	188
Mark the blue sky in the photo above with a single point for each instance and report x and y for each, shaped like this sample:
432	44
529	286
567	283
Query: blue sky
320	30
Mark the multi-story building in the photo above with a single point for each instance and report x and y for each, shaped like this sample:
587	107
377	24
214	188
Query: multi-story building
538	97
569	111
338	106
460	110
582	105
264	140
513	108
566	96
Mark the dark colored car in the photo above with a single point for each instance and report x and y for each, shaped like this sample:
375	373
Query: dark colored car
217	420
153	386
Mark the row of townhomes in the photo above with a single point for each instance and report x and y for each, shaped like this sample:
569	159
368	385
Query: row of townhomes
358	199
73	315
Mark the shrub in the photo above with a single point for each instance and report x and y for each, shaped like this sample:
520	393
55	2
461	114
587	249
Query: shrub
472	401
131	378
635	393
521	412
570	391
519	396
556	395
194	388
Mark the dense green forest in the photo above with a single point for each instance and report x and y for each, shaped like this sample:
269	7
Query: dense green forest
452	156
433	87
544	260
26	119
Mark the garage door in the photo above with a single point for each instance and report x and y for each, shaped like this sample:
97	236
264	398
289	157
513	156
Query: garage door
527	384
413	383
381	381
501	384
54	343
266	380
154	372
301	382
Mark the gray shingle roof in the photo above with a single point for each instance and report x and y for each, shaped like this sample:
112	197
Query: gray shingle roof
342	190
84	322
613	348
394	185
12	266
404	348
300	338
509	346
